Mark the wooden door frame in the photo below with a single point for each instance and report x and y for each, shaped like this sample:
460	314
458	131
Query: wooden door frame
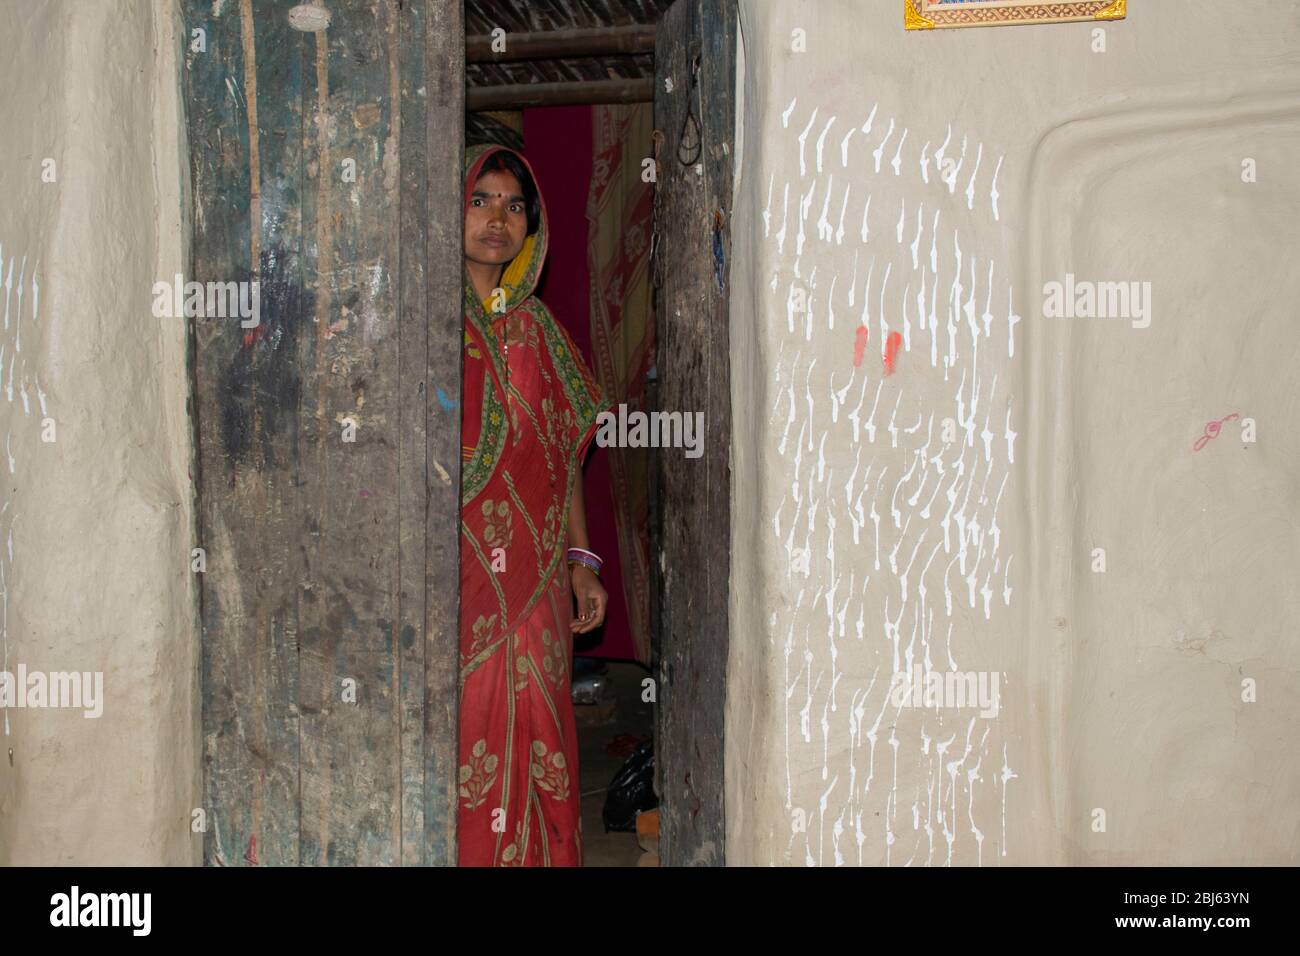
691	546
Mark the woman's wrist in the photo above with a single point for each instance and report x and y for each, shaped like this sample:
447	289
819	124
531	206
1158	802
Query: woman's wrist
585	558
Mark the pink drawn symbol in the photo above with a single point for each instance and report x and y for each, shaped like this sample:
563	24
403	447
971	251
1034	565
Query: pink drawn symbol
1212	431
892	342
859	344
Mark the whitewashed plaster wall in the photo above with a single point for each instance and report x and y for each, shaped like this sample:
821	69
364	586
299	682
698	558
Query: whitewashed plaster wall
95	525
865	545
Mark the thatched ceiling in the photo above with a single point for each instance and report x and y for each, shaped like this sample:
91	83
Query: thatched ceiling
536	16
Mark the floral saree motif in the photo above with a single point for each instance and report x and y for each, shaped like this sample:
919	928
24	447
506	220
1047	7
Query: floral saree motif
528	417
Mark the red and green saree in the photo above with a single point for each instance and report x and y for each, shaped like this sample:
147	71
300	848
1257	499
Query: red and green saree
530	407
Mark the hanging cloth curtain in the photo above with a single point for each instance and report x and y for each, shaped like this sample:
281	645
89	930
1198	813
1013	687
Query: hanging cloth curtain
620	213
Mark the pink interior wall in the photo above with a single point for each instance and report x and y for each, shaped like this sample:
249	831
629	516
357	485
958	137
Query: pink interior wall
557	141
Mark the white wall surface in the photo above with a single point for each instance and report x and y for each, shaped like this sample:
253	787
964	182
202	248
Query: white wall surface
1120	691
95	529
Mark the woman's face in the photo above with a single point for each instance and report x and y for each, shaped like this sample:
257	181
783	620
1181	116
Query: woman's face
496	220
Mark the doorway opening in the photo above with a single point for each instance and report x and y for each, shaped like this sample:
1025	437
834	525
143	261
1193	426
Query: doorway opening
637	183
576	99
326	164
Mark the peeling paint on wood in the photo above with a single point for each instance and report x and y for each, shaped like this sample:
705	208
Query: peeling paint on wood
324	552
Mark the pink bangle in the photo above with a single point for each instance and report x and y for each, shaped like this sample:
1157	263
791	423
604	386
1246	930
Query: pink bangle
588	559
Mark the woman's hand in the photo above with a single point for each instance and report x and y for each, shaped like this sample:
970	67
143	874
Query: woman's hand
592	599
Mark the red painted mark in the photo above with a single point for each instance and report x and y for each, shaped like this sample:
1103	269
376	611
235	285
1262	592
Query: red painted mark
251	855
891	351
252	336
1212	431
365	494
860	344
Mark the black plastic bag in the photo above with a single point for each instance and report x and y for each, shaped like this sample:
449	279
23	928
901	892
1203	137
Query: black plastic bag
631	791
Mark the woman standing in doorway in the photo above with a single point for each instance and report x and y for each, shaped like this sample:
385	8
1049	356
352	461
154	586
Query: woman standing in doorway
528	418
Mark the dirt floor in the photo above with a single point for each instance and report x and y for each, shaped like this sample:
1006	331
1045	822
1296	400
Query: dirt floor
605	738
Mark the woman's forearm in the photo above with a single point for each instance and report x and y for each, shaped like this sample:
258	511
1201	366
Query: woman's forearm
577	516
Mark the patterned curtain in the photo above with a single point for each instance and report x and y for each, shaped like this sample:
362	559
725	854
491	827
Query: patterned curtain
620	212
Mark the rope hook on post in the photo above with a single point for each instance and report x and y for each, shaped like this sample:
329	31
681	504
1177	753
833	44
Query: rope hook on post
692	152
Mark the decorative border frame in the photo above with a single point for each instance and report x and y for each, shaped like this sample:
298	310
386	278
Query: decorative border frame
929	15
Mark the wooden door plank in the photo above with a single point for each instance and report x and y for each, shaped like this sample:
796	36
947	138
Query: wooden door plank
412	419
244	146
430	327
350	767
443	79
333	563
694	375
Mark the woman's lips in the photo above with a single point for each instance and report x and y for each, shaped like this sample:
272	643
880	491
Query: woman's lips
493	241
